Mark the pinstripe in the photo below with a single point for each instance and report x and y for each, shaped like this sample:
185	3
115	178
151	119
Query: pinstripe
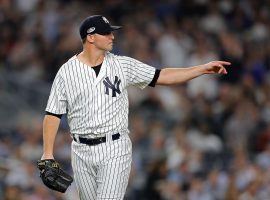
115	170
71	90
92	168
77	81
112	173
100	178
79	176
87	182
80	74
103	185
113	105
123	178
107	102
122	186
57	95
100	90
107	184
87	186
101	171
89	83
136	71
117	119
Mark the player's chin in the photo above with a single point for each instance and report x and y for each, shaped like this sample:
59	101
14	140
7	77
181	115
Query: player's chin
110	47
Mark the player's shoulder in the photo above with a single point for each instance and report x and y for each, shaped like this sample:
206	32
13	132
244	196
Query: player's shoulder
119	58
66	66
71	62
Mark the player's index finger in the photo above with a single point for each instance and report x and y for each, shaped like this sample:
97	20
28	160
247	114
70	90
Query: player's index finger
224	62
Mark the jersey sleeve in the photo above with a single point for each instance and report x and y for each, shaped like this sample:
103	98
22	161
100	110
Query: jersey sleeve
137	73
57	102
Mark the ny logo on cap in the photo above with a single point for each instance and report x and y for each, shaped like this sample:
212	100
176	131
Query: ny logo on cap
105	20
90	30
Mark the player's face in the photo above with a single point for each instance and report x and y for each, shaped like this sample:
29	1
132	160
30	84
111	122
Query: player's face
104	42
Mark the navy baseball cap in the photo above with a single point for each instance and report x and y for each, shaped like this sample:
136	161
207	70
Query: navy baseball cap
96	24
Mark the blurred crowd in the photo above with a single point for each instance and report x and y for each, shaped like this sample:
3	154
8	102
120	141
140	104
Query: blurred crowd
208	139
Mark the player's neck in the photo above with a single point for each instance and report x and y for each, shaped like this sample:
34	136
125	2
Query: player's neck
91	58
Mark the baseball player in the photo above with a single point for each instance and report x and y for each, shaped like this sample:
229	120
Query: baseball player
91	88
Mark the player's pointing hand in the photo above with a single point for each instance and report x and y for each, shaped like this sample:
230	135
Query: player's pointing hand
216	67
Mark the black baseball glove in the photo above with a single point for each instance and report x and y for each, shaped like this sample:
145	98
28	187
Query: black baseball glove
53	176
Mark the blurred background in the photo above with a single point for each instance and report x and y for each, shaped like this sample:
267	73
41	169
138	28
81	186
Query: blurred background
208	139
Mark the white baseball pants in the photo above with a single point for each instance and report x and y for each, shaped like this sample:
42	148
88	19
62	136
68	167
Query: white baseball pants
101	171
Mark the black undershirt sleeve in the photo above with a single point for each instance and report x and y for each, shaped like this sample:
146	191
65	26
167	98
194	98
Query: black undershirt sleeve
154	81
56	115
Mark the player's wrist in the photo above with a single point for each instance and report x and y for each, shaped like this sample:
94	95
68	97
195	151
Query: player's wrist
47	156
202	69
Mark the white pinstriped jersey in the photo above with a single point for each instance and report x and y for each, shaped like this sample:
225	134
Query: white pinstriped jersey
98	105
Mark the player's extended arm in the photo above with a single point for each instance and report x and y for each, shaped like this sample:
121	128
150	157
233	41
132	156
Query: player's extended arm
170	76
50	127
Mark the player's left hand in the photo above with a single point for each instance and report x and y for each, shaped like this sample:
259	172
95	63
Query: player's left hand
216	67
53	176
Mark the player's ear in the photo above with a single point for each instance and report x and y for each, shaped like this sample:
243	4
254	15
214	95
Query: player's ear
90	38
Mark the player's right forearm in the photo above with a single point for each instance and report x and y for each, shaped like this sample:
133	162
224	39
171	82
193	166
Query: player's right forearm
50	127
